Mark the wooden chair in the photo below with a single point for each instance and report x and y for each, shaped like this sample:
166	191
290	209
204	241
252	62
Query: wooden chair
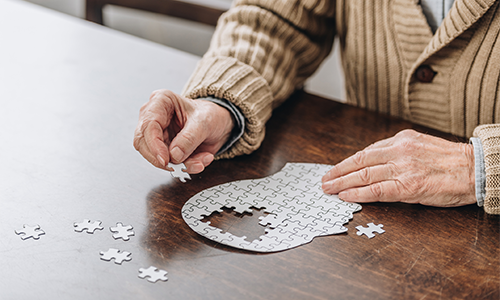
175	8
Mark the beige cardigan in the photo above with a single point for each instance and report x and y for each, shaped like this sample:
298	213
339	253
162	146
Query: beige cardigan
263	50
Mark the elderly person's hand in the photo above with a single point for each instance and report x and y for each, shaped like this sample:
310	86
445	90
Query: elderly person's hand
176	129
409	167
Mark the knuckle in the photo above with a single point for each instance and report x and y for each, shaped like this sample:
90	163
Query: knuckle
407	147
137	142
407	133
160	93
365	175
392	168
359	158
376	190
142	127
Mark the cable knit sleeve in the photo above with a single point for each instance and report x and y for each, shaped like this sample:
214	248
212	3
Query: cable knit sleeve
490	139
261	52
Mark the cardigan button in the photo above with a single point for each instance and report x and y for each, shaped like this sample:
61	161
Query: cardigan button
425	74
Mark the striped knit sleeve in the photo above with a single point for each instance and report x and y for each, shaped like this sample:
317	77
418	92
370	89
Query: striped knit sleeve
261	51
490	139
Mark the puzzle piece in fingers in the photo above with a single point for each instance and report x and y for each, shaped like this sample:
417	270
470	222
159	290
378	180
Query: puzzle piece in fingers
179	172
297	208
153	274
368	231
88	226
30	232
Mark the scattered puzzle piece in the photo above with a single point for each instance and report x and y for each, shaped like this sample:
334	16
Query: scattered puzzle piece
117	255
30	232
122	232
88	226
153	274
368	231
297	209
179	172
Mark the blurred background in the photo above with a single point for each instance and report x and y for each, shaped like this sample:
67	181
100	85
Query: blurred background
192	37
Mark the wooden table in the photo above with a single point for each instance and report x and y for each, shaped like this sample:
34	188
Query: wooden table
70	93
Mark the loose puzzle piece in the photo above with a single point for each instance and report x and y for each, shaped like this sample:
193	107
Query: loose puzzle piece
297	209
88	226
153	274
179	172
368	231
122	232
30	232
117	255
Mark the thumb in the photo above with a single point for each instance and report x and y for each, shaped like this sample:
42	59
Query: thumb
187	141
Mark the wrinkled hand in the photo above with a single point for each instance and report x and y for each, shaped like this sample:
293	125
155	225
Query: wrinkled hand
409	167
176	129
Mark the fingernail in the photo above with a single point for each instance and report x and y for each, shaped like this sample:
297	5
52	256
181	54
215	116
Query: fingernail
177	154
160	160
326	187
344	195
196	168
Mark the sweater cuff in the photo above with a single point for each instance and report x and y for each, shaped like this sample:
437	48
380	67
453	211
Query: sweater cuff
490	140
479	170
229	79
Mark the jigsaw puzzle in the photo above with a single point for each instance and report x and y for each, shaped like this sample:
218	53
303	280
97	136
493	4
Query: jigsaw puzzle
153	274
368	231
297	208
30	232
122	232
88	226
179	172
117	255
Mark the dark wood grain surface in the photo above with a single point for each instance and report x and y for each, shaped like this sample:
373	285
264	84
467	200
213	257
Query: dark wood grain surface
70	95
425	253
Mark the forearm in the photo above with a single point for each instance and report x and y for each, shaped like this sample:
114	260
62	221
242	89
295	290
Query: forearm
260	53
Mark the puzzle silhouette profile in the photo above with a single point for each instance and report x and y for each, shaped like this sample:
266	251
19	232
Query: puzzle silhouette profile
298	209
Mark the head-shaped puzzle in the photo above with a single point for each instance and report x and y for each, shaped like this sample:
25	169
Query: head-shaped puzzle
298	209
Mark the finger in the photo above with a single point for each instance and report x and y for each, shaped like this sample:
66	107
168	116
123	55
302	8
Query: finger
187	140
144	150
358	161
149	142
149	137
384	191
363	177
198	162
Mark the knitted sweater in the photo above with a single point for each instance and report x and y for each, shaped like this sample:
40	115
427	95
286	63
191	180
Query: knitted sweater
263	50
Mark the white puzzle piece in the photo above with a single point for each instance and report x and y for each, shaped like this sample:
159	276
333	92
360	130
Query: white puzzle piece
118	255
368	231
179	172
30	232
87	226
153	274
297	208
122	232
